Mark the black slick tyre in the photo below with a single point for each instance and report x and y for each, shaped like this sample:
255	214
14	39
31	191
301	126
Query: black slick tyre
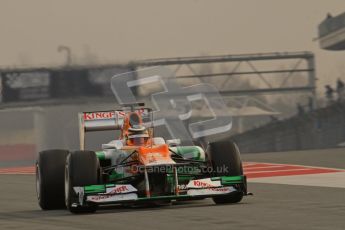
81	169
226	161
50	168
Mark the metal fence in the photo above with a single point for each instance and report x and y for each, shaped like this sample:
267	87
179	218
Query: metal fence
322	128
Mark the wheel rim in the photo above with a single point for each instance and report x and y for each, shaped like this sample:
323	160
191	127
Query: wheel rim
67	186
38	182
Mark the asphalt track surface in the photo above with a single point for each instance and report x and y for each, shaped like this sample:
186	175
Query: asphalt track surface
273	206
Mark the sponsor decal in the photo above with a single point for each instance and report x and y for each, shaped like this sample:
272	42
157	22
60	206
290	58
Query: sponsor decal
112	198
122	114
99	115
204	183
210	191
120	189
99	197
115	193
143	112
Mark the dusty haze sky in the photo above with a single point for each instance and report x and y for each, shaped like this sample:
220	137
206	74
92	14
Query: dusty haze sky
118	31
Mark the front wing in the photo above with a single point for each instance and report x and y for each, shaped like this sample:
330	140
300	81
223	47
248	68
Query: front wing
126	193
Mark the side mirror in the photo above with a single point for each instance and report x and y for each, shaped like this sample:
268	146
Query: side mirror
116	144
173	142
158	141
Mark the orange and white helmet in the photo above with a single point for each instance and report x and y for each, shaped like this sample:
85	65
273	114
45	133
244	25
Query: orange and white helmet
137	135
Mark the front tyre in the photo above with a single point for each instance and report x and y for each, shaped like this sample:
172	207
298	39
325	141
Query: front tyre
226	161
50	166
81	169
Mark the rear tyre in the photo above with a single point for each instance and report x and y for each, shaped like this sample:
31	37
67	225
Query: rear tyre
226	161
81	169
50	167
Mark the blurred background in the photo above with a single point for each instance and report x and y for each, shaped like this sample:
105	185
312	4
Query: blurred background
279	66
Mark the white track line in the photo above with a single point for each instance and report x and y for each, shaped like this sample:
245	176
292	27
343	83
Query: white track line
304	166
335	180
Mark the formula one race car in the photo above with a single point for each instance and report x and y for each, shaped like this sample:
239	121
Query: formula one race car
136	168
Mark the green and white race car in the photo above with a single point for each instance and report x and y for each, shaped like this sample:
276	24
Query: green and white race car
137	168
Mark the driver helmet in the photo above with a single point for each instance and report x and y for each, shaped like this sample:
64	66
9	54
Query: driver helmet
137	135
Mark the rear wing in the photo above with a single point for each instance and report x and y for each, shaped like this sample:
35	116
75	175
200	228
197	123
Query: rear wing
105	120
99	121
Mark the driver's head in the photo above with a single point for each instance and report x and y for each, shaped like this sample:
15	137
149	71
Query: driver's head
137	135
